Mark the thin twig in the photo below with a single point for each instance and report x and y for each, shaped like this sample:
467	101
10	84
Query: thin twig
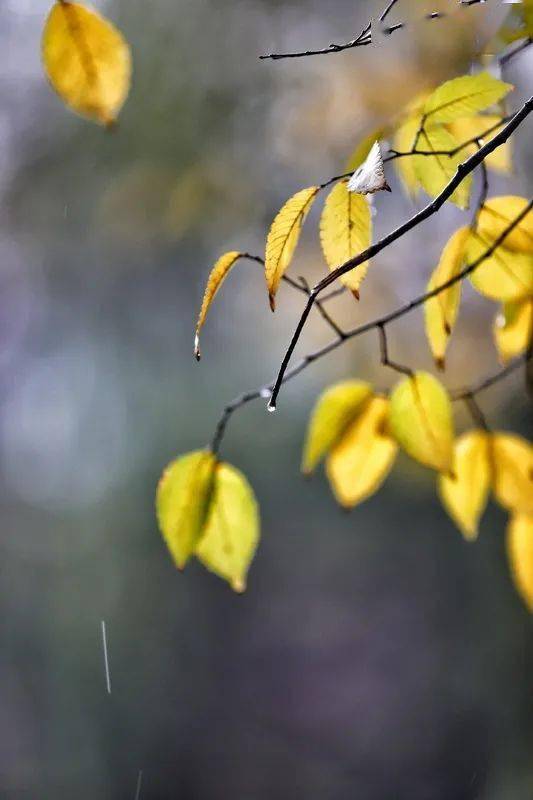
463	169
503	60
106	660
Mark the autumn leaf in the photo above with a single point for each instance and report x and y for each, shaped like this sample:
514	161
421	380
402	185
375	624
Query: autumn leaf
345	231
216	278
513	472
362	459
421	421
504	275
435	172
520	554
497	215
441	310
465	492
335	409
513	329
468	128
231	533
87	61
464	97
283	237
182	502
403	142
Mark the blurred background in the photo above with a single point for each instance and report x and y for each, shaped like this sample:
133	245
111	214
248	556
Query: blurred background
375	655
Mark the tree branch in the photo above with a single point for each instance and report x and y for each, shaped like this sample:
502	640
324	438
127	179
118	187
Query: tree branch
462	171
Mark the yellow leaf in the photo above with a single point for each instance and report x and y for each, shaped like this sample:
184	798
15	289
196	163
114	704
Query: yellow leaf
513	329
464	494
182	502
231	533
87	60
363	149
345	231
504	275
441	310
214	282
403	141
434	172
496	216
420	419
464	97
335	409
283	237
468	128
513	472
360	462
520	555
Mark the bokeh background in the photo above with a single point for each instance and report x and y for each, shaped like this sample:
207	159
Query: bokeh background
375	655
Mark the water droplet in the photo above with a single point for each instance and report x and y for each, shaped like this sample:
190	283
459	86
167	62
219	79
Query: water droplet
271	408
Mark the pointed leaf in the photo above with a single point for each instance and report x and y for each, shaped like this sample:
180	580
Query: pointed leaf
520	555
465	492
87	61
345	231
469	128
464	97
441	310
513	472
231	534
434	172
283	237
504	275
420	419
513	329
360	462
335	409
496	216
214	282
182	502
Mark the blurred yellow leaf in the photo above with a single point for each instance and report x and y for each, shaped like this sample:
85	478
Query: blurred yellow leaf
360	462
283	237
513	472
87	60
434	172
231	533
520	555
420	419
403	141
182	502
363	149
464	97
504	275
465	492
214	282
335	409
513	329
468	128
496	216
441	310
345	231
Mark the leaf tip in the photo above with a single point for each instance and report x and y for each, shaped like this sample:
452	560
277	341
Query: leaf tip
272	301
440	363
238	586
356	294
197	353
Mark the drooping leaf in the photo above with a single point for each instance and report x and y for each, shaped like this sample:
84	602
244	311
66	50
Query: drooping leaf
513	329
214	282
496	216
87	60
520	555
434	172
182	502
403	141
362	459
335	409
345	231
283	237
504	275
464	97
441	310
465	492
231	533
513	472
420	419
469	128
